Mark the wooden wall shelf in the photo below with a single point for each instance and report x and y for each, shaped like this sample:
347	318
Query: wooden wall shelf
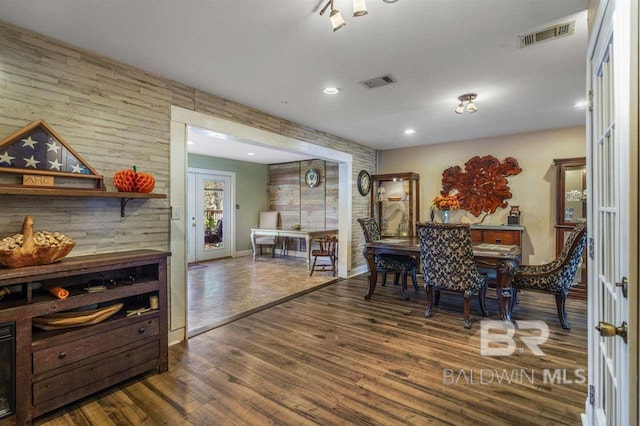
124	197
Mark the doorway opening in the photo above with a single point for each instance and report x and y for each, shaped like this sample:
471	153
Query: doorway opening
231	134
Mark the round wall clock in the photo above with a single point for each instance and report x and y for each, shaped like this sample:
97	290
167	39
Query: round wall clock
364	182
312	178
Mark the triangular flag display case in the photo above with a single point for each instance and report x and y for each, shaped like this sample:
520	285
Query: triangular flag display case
40	155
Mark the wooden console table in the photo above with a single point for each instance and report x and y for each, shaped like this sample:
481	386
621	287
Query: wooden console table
54	368
497	234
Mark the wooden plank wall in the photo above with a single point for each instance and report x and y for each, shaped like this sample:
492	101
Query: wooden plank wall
299	204
115	116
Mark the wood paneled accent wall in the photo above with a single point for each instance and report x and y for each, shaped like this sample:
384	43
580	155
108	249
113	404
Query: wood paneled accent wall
116	116
299	204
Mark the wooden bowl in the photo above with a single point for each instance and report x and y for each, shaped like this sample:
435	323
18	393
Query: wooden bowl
30	254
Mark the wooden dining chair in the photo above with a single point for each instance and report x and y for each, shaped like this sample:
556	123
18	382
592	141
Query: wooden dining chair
447	261
327	250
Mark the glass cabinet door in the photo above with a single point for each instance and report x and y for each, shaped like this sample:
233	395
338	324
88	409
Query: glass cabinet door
395	203
571	191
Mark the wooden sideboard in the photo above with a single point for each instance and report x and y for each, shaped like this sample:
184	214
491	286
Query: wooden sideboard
54	368
497	234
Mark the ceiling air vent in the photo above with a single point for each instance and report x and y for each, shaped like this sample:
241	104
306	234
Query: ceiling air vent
374	83
560	30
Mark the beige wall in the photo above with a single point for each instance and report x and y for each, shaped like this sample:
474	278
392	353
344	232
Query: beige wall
115	116
533	189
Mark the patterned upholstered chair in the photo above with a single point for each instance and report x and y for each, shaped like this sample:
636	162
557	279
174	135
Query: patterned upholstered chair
447	264
557	276
397	264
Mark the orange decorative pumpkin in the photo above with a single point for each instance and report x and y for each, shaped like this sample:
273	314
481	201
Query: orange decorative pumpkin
125	180
144	182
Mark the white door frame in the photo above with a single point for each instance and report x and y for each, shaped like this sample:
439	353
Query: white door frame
180	119
620	18
229	224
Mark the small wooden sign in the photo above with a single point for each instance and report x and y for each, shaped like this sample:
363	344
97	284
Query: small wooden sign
37	180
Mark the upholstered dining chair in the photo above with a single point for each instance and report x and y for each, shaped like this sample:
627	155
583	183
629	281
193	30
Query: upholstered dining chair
268	220
555	277
327	250
447	264
397	264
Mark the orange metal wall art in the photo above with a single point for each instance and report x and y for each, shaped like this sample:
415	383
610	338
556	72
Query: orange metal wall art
483	184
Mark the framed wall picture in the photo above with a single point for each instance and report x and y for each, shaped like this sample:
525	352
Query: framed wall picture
364	182
312	178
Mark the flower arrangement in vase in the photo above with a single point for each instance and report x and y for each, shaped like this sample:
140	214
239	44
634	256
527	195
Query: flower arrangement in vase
446	204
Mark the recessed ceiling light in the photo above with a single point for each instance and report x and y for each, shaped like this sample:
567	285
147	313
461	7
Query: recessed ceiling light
189	143
390	1
410	132
581	104
250	153
331	90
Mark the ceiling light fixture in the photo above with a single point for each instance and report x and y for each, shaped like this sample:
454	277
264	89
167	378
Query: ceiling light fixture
390	1
337	21
410	132
331	90
466	103
359	8
250	153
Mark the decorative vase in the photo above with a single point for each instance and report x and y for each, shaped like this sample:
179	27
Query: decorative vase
446	216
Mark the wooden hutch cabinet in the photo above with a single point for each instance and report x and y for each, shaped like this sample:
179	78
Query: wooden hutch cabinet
55	367
395	203
571	208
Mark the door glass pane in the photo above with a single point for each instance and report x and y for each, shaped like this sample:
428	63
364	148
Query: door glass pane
213	214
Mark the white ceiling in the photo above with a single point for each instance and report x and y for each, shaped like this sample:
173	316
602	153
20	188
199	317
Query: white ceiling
214	144
278	55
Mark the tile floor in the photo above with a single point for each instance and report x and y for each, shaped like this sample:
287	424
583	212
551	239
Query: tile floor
224	290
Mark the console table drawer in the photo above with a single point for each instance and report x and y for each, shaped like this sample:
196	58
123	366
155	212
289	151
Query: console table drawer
500	237
497	236
94	374
76	350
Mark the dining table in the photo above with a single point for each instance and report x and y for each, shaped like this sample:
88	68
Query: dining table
502	258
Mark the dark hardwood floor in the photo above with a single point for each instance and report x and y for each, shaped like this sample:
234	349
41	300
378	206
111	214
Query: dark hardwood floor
330	357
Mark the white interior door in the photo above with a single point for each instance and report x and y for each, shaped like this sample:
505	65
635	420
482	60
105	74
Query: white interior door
210	211
609	246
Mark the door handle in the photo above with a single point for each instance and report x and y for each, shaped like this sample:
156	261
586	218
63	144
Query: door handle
608	330
624	285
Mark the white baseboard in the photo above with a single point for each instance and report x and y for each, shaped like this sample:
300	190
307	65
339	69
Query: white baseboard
359	270
176	336
242	253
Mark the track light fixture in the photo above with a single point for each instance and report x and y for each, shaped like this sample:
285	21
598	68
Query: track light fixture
337	21
466	103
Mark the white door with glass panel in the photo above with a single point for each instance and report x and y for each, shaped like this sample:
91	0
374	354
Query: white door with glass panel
210	210
609	151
